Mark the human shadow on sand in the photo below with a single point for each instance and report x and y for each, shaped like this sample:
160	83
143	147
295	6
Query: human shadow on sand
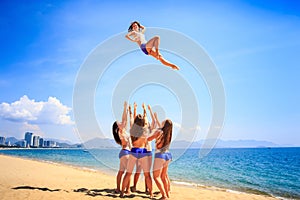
35	188
110	193
91	192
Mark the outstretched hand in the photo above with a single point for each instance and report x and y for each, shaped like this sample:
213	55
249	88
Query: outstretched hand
144	106
129	108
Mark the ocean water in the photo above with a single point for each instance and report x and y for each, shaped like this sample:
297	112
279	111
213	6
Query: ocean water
265	171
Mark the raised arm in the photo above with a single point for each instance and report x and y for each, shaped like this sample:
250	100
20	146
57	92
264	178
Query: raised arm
145	114
153	124
134	110
157	121
124	115
143	28
154	135
130	116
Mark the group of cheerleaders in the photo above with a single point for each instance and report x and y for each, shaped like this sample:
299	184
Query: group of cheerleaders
136	147
137	150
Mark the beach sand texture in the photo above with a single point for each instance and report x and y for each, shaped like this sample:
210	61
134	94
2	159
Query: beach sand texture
28	179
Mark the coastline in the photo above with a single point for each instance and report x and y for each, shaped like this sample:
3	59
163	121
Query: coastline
32	179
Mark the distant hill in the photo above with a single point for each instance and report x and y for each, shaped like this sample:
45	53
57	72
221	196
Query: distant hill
105	143
59	141
64	143
110	143
100	143
226	144
12	140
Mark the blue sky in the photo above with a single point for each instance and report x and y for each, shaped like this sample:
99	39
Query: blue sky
255	47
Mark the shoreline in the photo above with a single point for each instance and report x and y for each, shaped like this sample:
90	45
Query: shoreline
20	178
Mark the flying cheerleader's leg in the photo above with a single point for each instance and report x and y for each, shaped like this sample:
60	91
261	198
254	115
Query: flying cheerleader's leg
153	43
163	60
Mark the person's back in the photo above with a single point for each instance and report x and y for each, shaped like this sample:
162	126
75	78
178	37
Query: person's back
139	132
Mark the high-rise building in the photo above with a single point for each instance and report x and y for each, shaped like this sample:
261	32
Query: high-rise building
50	144
23	143
36	140
41	142
29	139
2	140
8	143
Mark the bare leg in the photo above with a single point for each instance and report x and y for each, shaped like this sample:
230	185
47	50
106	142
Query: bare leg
135	180
153	42
119	178
159	183
126	179
169	183
165	179
164	61
125	184
167	63
148	183
157	172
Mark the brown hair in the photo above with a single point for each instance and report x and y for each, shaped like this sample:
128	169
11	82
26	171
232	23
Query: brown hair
139	120
130	27
164	140
115	131
136	130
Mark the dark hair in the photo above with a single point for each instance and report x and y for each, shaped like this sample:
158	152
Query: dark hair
136	130
130	27
139	120
115	131
165	138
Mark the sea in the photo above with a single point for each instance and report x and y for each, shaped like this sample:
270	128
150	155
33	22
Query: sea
264	171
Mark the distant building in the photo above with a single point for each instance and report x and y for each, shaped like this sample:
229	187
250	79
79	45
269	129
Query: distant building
36	141
29	139
2	140
50	144
8	143
41	142
23	143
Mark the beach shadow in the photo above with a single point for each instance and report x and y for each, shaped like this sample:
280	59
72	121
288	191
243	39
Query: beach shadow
143	192
35	188
107	192
97	192
90	192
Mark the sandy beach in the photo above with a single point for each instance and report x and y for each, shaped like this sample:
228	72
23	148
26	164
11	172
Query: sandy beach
29	179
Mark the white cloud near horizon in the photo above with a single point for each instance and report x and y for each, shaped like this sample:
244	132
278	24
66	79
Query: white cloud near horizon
51	111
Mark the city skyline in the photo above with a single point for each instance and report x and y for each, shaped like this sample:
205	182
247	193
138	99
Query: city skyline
30	140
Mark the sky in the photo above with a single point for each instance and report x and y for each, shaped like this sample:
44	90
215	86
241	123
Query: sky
253	44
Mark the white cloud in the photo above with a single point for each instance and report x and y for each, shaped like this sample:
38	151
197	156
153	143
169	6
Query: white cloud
31	128
26	110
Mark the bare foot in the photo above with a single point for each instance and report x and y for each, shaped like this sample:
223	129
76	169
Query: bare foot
151	195
122	195
117	191
132	189
168	194
175	67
